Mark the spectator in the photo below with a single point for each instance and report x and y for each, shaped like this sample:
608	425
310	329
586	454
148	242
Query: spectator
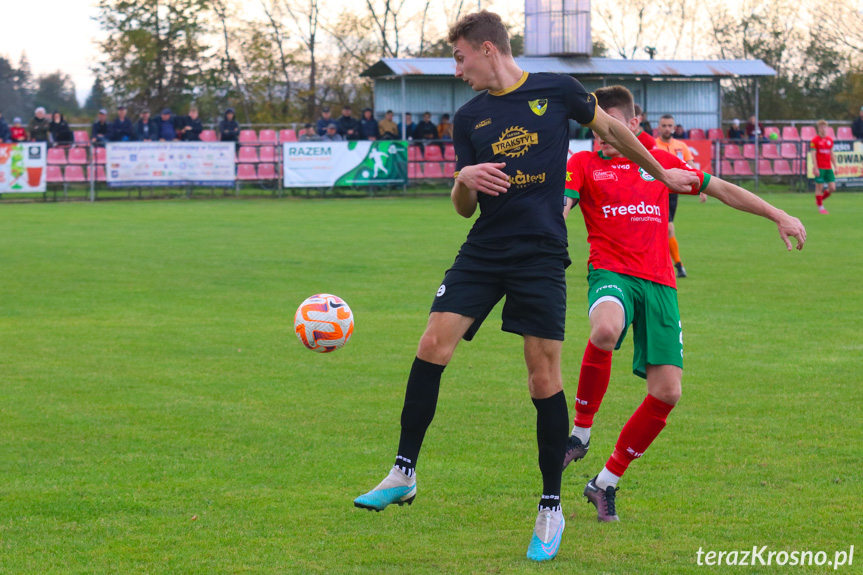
121	129
60	132
387	128
680	133
324	121
857	126
146	129
17	133
165	126
229	129
40	126
369	126
444	128
191	126
642	119
309	134
5	133
99	131
753	131
409	127
425	130
348	125
734	132
332	134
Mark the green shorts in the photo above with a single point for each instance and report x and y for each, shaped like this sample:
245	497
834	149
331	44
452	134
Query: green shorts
652	310
825	177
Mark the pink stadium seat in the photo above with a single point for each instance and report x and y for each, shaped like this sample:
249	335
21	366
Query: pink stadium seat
248	155
248	137
715	134
81	137
742	168
268	153
765	168
246	172
807	133
749	151
433	153
726	169
449	169
433	170
208	136
655	132
414	171
732	152
798	166
56	156
831	133
790	133
449	153
267	137
782	168
78	156
54	174
287	136
771	130
100	173
101	155
415	154
696	134
770	151
844	133
789	151
266	171
74	174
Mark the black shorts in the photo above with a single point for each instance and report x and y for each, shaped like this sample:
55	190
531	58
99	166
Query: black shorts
530	272
672	206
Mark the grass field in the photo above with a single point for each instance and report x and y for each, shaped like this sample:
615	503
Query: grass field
158	415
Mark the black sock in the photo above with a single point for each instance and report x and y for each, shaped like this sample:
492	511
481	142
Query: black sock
551	502
552	430
418	412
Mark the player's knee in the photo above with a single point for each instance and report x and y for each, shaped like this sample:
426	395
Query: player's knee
669	394
604	336
434	349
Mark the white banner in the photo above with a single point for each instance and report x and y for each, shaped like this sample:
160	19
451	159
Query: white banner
23	167
328	164
171	164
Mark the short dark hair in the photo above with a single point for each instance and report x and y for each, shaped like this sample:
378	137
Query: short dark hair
479	27
389	111
638	110
616	97
666	117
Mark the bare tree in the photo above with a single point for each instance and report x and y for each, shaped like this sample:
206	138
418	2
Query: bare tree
278	37
221	11
306	23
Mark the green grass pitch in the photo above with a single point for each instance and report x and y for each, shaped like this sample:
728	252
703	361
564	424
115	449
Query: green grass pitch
158	415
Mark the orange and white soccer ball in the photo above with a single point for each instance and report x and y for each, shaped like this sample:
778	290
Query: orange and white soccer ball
324	323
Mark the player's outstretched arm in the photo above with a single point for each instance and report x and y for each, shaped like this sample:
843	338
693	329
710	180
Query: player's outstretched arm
485	178
744	200
624	141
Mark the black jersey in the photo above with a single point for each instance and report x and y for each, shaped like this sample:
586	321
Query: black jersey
527	127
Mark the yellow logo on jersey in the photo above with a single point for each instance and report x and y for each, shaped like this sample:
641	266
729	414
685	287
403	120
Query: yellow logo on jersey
538	107
568	176
522	180
482	124
514	142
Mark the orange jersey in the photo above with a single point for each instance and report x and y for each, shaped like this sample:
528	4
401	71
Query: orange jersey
677	148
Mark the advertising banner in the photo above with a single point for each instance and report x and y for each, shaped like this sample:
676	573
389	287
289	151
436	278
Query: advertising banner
329	164
23	167
171	164
849	164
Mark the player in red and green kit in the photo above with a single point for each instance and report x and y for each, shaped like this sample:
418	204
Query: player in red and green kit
825	161
631	282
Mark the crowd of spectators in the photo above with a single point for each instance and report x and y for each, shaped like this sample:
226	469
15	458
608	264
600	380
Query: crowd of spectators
348	128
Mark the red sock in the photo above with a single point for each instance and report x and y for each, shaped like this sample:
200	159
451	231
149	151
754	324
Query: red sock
827	194
592	384
819	201
638	433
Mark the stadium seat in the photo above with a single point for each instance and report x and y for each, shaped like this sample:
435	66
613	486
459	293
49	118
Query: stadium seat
770	151
749	151
433	153
414	171
247	155
844	133
267	137
78	156
449	153
56	156
726	169
807	133
696	134
765	168
100	174
782	168
246	172
790	134
208	136
655	132
415	154
287	136
248	137
771	130
74	174
101	156
742	168
433	170
266	171
54	174
789	151
268	153
732	152
831	133
715	134
449	169
81	137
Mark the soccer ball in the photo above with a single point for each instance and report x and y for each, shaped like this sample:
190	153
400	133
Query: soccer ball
773	136
324	323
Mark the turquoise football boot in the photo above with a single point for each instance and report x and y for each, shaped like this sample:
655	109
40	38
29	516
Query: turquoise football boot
546	535
396	488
